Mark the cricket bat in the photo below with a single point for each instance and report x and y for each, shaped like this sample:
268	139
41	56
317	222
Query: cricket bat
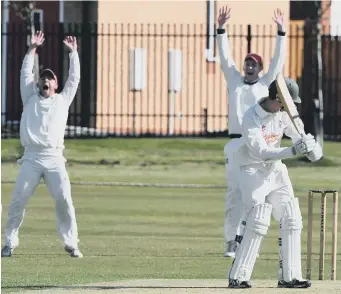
288	104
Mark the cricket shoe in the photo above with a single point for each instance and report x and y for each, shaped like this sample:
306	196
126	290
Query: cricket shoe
7	251
231	249
74	252
236	284
294	284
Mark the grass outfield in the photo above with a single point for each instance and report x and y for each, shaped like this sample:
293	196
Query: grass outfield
148	233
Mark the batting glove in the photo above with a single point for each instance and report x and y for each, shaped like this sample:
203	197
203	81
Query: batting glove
304	145
316	154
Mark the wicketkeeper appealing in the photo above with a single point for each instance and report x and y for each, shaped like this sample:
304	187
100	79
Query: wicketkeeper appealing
42	129
243	92
266	189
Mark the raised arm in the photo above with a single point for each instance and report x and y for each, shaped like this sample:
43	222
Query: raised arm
27	86
72	82
278	59
227	62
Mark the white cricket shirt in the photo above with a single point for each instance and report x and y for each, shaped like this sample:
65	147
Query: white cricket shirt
242	96
43	120
262	133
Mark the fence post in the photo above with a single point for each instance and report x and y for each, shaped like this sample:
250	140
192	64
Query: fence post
60	37
85	74
249	37
4	36
205	122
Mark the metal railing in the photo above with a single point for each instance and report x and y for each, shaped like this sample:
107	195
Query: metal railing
106	104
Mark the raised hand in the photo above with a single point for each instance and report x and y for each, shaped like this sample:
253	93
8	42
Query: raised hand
37	39
278	18
224	15
71	43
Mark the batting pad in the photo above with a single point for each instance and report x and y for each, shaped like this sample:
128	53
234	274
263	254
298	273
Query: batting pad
257	224
290	242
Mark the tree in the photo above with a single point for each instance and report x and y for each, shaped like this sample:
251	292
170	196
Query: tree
24	10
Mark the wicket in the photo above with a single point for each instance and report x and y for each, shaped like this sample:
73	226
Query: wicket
323	194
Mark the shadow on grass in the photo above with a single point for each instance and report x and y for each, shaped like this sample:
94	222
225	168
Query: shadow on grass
13	159
41	287
143	163
292	162
304	162
268	256
118	287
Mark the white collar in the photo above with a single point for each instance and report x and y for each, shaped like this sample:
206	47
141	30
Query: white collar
260	111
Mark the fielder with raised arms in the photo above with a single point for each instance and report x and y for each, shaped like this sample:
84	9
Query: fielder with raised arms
266	188
243	92
42	129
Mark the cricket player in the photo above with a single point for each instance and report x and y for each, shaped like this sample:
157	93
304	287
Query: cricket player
266	188
243	92
42	128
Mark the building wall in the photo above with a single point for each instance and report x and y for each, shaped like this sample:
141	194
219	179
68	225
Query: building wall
81	16
335	19
16	49
73	11
201	80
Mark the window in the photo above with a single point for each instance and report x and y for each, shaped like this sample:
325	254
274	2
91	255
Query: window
210	42
37	19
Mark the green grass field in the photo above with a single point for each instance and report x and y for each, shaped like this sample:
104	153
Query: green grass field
148	233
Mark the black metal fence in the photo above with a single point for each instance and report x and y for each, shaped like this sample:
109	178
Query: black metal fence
107	105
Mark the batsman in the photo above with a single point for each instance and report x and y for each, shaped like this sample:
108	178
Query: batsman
267	190
243	92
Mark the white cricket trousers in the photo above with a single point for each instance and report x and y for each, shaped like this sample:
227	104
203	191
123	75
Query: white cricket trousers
266	186
52	170
271	184
233	201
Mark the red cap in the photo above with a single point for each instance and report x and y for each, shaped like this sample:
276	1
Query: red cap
256	58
